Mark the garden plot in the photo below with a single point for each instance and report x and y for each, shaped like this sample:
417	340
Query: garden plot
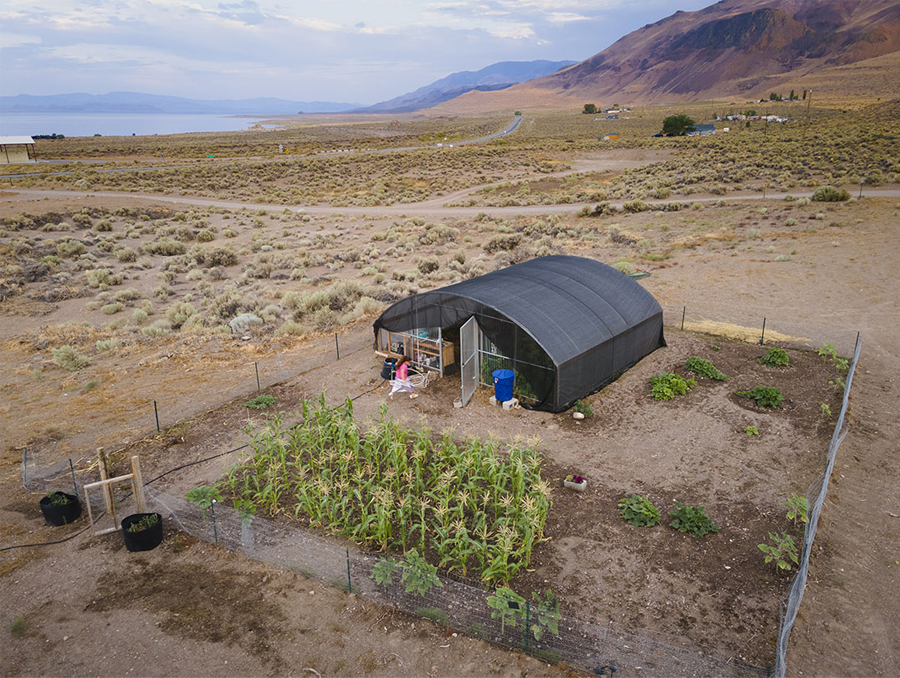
709	447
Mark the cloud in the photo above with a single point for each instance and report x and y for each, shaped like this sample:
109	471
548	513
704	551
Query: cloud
566	17
8	40
348	50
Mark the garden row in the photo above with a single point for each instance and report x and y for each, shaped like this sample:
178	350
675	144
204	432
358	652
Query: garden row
466	506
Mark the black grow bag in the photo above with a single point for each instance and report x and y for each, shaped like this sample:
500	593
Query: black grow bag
62	514
145	540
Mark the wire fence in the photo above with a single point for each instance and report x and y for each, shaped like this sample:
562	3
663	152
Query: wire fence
816	498
462	604
759	327
42	468
456	602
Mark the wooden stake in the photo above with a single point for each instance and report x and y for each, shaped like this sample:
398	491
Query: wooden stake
103	462
138	485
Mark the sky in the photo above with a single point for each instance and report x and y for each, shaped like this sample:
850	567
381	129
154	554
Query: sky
355	51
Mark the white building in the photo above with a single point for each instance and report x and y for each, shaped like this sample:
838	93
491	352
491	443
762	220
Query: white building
15	150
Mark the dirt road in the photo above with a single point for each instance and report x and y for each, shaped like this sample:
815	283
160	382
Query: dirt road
434	207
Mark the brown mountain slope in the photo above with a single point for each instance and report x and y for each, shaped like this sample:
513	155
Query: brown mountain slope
732	48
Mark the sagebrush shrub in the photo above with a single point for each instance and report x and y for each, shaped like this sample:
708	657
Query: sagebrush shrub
166	247
830	194
69	358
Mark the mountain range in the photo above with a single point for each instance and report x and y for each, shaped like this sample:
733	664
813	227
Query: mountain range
740	48
494	77
135	102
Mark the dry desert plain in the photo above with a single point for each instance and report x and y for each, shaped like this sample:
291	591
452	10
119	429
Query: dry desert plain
140	272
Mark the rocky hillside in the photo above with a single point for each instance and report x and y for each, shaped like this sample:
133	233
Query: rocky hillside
732	48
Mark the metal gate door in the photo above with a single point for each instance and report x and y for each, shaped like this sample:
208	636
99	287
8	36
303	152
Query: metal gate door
468	359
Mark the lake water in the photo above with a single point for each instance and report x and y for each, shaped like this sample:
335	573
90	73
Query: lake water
117	124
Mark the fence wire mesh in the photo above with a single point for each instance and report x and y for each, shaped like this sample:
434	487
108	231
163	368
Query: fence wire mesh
457	602
460	603
42	469
816	499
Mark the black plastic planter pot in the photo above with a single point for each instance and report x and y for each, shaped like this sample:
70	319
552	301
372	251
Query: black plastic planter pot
145	540
61	514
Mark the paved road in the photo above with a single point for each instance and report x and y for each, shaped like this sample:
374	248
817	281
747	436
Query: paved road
335	154
435	206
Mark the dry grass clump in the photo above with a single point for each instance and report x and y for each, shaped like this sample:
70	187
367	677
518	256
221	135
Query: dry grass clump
165	246
70	248
178	313
69	358
158	329
102	278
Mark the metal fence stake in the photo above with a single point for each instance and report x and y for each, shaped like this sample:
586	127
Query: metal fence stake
212	513
337	348
72	471
349	583
156	414
762	337
256	365
683	313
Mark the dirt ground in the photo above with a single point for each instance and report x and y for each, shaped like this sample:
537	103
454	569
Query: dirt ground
842	277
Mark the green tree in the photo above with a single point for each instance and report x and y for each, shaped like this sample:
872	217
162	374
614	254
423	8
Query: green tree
677	125
774	96
792	95
590	109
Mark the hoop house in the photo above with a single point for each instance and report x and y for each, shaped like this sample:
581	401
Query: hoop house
568	325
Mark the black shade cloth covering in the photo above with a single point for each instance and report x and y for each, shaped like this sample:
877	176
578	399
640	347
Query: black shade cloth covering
569	324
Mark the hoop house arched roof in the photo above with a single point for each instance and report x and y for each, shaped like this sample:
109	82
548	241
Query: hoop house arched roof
569	324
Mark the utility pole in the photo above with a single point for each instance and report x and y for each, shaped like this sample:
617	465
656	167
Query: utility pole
808	102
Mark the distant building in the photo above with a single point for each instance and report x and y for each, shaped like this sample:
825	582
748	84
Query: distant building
15	150
609	137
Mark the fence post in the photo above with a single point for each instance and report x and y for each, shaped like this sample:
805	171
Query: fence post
256	365
349	583
683	312
212	512
156	414
72	471
337	348
762	337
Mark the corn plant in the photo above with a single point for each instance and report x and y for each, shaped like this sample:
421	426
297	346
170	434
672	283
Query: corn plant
474	504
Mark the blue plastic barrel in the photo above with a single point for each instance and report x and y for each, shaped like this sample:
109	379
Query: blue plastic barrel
503	385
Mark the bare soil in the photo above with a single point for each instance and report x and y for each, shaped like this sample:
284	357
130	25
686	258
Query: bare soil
654	580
